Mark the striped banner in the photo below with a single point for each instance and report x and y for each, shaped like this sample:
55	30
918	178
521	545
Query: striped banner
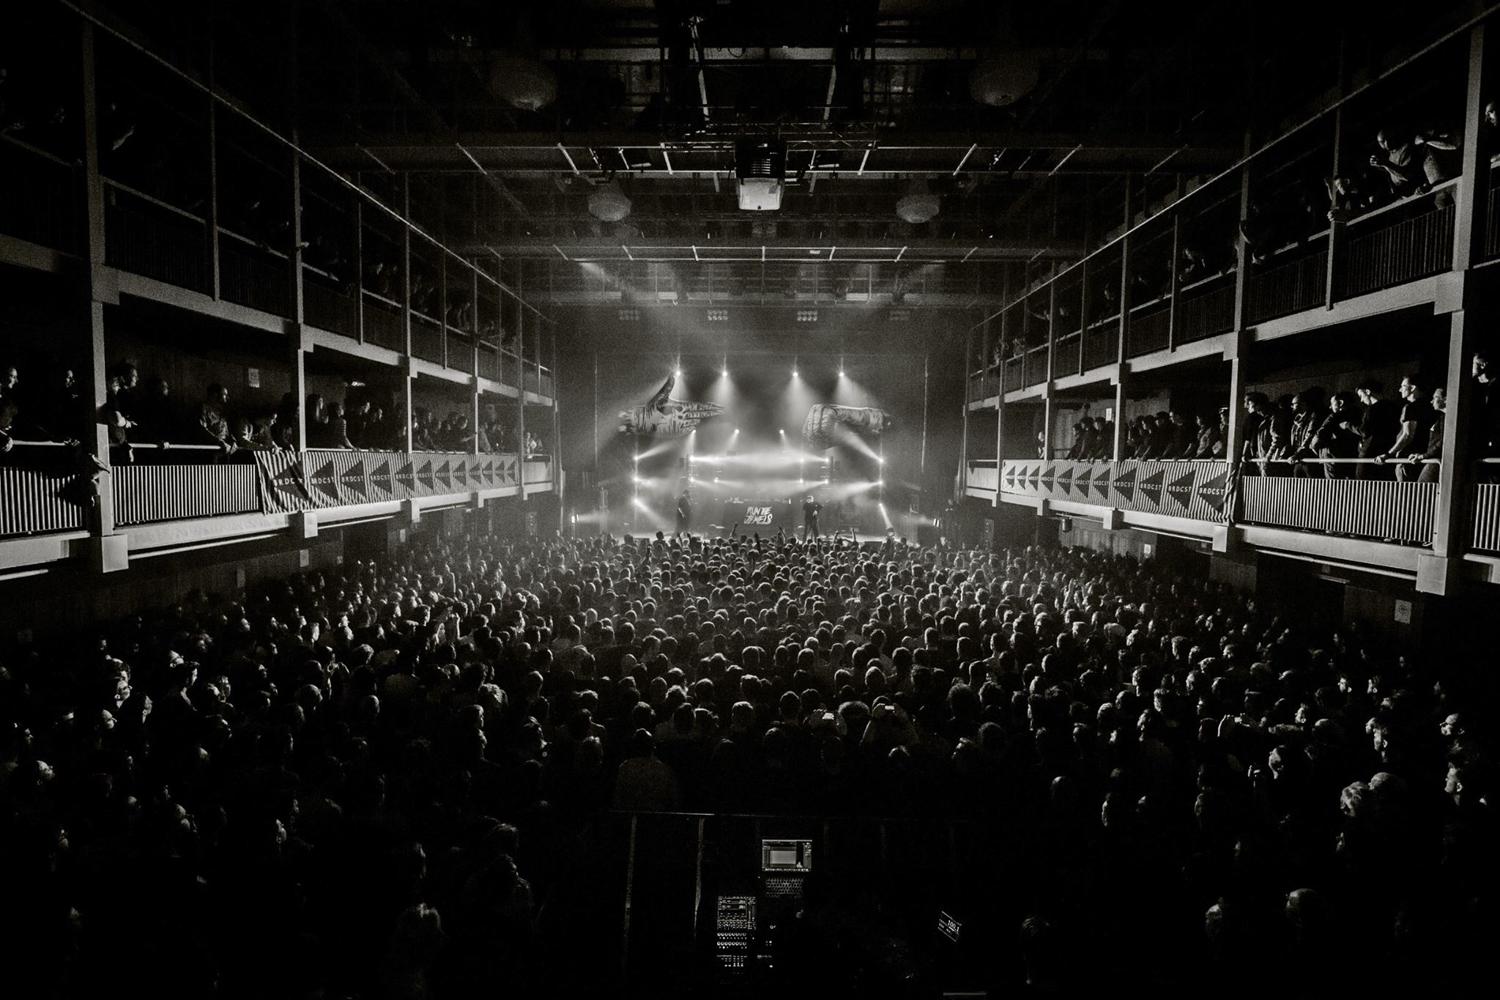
282	483
1487	517
148	493
1196	490
1361	507
34	501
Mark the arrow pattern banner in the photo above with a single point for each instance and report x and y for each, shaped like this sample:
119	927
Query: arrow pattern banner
287	481
1194	490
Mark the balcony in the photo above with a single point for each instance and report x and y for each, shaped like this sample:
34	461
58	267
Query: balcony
1377	510
42	490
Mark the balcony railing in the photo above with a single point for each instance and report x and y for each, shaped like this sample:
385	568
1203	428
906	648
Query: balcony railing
1190	489
1397	243
1101	345
1360	508
149	237
253	275
41	198
1285	284
1149	329
42	491
1376	509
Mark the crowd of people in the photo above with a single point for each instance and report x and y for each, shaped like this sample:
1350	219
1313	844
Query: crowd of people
1162	436
392	780
144	412
1359	433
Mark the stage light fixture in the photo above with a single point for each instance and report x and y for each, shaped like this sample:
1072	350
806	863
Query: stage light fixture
677	373
880	459
724	372
716	479
880	482
637	479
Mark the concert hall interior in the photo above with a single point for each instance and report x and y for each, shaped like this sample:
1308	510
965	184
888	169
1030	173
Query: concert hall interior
748	498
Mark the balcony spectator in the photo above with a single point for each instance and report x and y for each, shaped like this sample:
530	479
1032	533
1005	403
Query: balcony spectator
1378	426
1415	422
1210	444
286	421
1413	163
317	420
336	429
1338	436
1308	414
1104	440
1184	437
58	413
10	406
256	435
1267	433
1486	412
118	426
213	419
156	414
1426	466
1083	439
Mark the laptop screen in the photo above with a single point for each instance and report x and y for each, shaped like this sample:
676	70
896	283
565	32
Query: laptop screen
786	855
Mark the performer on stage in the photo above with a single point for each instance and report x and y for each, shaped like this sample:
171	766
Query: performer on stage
684	512
810	509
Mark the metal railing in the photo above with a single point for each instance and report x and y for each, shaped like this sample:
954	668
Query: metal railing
1101	345
384	326
1399	242
149	493
253	275
1205	309
1287	283
42	490
327	306
41	198
1149	330
149	237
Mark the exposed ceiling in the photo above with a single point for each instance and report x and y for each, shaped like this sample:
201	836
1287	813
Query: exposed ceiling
493	123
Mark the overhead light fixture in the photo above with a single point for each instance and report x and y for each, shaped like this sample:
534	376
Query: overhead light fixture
718	315
807	315
677	373
760	173
608	203
919	204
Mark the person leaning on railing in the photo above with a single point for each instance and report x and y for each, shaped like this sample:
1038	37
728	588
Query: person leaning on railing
10	406
1338	435
1415	419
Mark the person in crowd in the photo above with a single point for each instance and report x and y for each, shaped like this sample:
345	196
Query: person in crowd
289	784
1380	423
1486	419
1416	420
1210	441
1426	466
1413	163
1267	434
287	415
1184	436
336	430
117	423
1338	437
213	419
1308	415
317	420
59	411
10	405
